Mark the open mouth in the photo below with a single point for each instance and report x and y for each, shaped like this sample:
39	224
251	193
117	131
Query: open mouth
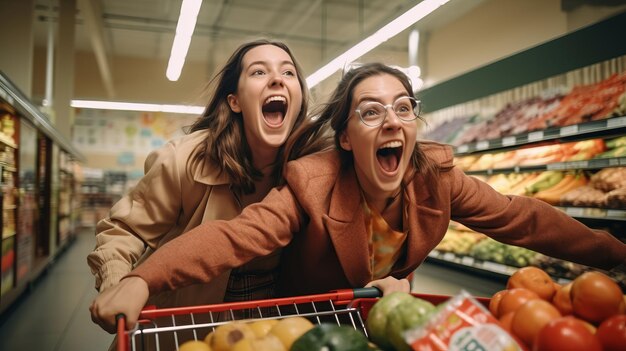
274	109
388	155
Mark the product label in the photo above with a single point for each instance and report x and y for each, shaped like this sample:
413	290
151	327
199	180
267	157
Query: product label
463	325
535	136
508	141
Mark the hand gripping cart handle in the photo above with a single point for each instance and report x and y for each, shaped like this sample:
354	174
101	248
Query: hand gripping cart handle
168	328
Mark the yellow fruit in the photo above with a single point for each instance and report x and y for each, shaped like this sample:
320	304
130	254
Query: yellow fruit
208	338
269	342
194	345
262	327
227	335
291	328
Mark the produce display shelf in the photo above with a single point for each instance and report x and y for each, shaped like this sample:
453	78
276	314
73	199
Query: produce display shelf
595	213
572	132
599	163
493	270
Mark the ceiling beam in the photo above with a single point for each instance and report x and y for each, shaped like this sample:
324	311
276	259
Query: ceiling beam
92	16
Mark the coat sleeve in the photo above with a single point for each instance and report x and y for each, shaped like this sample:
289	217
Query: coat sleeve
213	247
530	223
139	219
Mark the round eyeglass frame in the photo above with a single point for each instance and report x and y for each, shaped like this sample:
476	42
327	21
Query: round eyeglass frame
417	109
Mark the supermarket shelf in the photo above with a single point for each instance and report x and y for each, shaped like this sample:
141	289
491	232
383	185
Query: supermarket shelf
8	235
7	141
595	213
599	163
571	133
488	269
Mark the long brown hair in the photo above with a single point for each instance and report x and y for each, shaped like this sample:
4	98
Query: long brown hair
331	119
226	144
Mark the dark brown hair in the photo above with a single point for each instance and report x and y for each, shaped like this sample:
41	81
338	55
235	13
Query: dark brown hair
226	144
331	119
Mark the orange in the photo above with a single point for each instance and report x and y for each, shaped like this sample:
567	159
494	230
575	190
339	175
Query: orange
494	303
562	300
514	298
534	279
596	297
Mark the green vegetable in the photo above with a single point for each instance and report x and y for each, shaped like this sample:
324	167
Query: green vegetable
377	319
407	315
331	337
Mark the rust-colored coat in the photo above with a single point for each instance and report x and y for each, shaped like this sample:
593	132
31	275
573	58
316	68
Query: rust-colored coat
317	218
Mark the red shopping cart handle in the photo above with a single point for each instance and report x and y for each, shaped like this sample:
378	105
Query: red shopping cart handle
122	337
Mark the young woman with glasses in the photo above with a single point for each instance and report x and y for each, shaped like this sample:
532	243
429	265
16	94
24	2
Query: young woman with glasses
371	208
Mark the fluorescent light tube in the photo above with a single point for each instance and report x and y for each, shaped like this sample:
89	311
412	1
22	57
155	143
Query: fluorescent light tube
184	30
128	106
394	27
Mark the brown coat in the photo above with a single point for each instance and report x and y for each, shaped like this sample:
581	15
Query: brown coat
317	218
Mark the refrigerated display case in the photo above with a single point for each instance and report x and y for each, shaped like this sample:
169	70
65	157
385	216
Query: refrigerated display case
31	183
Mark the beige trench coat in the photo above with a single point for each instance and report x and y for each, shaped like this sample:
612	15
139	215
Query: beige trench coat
169	200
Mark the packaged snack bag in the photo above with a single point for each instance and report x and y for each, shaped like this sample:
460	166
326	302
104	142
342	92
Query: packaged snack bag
462	324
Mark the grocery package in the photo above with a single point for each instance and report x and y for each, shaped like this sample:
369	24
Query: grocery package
462	323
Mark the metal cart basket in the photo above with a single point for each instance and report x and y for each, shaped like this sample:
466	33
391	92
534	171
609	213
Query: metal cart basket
174	326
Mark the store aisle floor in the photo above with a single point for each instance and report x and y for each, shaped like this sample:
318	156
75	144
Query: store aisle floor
54	314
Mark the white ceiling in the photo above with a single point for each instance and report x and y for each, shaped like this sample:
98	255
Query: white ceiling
320	28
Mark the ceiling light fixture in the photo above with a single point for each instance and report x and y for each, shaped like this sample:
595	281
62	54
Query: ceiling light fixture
129	106
184	30
394	27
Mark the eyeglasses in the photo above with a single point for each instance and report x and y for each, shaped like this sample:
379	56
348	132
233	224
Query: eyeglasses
373	113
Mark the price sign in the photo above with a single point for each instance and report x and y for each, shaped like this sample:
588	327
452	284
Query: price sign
575	211
468	261
556	166
508	141
448	256
462	148
482	145
495	267
569	130
535	136
616	122
616	213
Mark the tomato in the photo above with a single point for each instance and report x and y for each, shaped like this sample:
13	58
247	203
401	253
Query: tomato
612	333
513	299
562	300
595	297
533	279
494	303
506	320
566	333
531	317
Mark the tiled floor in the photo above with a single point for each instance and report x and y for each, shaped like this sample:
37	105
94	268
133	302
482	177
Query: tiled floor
54	315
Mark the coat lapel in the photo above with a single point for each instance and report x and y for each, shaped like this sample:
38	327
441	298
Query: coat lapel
421	221
346	227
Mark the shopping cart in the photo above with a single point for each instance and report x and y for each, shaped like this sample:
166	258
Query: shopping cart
175	326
